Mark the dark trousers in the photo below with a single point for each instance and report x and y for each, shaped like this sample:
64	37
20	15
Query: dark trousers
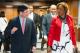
0	40
7	45
0	44
31	52
42	43
6	42
40	31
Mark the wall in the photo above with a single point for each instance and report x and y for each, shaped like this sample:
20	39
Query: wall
10	12
73	7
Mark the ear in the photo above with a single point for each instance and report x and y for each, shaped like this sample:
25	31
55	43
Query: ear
21	13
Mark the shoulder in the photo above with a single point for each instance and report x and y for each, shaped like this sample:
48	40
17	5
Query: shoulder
29	20
70	17
13	20
47	15
35	14
55	19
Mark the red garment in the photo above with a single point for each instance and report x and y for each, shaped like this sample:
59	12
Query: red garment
55	30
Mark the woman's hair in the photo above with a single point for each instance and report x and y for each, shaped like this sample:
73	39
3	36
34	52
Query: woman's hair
64	5
2	14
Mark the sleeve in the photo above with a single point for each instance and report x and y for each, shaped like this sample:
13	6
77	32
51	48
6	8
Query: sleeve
33	35
44	25
73	36
8	30
51	34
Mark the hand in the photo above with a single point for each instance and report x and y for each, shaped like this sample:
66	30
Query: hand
14	29
49	49
75	46
45	38
75	50
33	49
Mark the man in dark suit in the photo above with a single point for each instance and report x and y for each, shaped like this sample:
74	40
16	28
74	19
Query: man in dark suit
46	23
36	18
22	32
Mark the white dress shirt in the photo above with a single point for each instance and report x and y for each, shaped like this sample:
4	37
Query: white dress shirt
31	15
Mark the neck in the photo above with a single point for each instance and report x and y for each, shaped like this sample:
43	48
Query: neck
53	13
22	16
63	17
31	12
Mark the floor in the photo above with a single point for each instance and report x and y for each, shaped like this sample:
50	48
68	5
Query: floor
45	48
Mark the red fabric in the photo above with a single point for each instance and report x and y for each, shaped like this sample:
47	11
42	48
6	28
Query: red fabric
55	30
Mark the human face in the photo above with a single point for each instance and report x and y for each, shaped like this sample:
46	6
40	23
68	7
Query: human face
53	9
60	10
25	13
31	9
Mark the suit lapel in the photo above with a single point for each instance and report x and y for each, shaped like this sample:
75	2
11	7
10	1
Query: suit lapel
19	25
26	26
50	16
33	16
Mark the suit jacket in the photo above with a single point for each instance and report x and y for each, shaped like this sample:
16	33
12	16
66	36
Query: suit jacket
46	23
21	43
55	30
36	19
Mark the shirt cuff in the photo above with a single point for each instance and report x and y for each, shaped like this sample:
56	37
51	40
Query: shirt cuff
12	32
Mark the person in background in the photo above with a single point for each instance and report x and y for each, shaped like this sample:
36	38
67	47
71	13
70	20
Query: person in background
46	23
22	32
40	22
3	25
61	36
36	18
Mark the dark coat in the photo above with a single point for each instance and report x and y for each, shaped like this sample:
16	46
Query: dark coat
46	23
36	19
22	43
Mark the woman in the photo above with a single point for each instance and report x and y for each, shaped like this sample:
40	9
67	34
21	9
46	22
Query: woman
61	36
3	25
